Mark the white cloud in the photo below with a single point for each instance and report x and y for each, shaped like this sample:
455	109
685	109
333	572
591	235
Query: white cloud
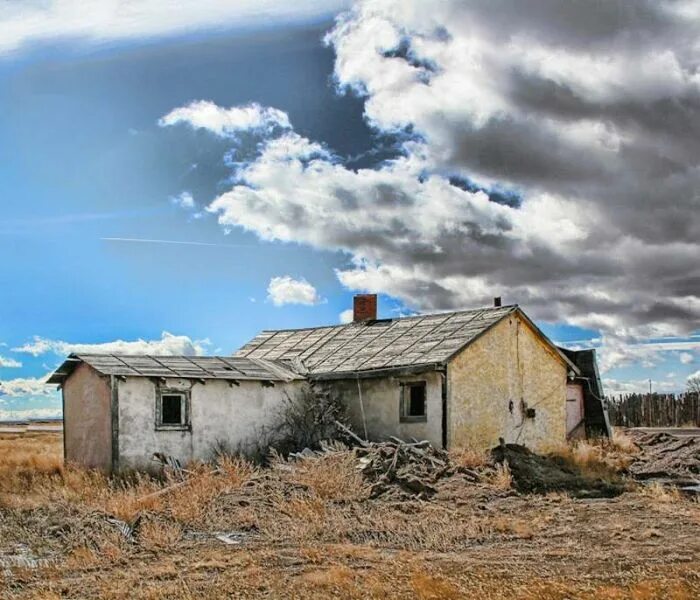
695	375
184	200
346	316
225	122
538	106
286	290
614	351
686	358
9	363
97	20
167	345
639	386
26	386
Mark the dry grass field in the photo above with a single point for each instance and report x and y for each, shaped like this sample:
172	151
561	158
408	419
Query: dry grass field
310	530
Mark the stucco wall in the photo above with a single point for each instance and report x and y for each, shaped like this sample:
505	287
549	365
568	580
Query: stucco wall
219	412
508	363
381	399
87	419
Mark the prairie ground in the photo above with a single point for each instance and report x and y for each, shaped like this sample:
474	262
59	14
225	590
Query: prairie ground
309	529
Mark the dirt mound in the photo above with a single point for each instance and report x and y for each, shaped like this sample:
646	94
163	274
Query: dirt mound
533	473
666	457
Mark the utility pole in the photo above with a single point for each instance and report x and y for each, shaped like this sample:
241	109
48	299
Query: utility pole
650	386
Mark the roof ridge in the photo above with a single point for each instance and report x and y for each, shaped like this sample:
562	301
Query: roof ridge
416	316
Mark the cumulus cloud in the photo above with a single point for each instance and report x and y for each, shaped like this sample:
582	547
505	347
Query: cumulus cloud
549	156
346	316
9	363
167	345
226	122
287	290
22	23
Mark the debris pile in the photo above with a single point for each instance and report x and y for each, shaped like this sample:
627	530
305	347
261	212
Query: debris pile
667	458
533	473
403	468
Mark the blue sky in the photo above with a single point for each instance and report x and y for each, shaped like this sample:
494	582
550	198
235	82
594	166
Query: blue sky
85	167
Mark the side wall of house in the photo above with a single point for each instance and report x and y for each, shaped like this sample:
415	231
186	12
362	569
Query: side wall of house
493	382
220	413
381	399
87	419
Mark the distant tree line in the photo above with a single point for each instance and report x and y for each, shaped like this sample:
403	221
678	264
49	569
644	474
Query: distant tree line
656	410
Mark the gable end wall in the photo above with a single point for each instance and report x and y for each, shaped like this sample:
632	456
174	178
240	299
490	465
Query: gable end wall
87	419
508	363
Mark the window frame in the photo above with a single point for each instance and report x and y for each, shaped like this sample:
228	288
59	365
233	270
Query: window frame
185	424
405	402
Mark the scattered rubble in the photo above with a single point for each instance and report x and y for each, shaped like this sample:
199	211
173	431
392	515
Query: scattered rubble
667	458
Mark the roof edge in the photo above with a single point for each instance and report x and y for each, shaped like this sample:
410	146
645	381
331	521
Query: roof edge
278	372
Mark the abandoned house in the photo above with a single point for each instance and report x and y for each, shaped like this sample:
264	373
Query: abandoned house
457	379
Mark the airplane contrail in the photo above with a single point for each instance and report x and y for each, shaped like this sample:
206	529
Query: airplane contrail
176	242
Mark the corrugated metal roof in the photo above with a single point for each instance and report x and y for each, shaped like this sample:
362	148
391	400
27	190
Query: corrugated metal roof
181	367
374	345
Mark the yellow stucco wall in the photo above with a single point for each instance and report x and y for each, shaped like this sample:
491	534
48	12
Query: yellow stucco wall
509	363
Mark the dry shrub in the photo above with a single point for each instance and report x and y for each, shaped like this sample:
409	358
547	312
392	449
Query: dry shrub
591	461
501	478
621	442
660	493
332	477
469	458
189	503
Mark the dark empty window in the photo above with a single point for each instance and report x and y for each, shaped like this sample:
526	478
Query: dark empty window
413	401
172	410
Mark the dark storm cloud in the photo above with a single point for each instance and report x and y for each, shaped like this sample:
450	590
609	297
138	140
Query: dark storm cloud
549	153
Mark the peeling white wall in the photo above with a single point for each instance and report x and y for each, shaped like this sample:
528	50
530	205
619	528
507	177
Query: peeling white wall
219	412
381	398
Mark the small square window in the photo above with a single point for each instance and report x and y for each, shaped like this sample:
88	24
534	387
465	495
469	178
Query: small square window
172	410
413	402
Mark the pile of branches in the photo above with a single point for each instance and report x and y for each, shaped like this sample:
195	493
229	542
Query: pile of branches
399	468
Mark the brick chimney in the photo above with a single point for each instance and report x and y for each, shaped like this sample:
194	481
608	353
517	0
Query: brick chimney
364	307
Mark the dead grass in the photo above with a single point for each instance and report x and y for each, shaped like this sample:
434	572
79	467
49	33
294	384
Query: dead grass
502	477
310	531
594	460
621	442
159	535
334	478
661	494
469	458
